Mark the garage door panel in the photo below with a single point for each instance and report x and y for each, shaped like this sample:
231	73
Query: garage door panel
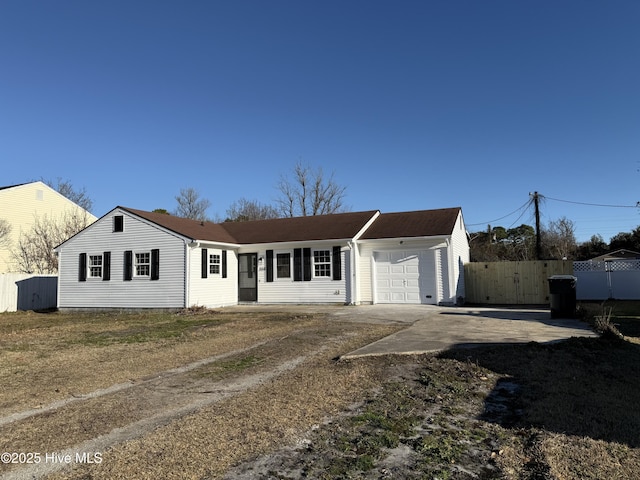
405	277
382	269
413	297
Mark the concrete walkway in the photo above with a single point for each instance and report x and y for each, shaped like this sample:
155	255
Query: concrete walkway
441	328
431	329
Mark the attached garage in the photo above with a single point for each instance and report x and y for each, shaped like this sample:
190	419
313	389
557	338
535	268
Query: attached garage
413	258
407	276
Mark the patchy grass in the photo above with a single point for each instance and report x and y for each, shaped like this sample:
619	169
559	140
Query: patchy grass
535	411
564	410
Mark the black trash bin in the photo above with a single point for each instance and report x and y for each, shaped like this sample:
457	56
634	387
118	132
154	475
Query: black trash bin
562	296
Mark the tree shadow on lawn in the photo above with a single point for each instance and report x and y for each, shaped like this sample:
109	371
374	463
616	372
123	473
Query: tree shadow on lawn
582	386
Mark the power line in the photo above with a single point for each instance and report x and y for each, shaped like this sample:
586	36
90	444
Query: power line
524	205
637	205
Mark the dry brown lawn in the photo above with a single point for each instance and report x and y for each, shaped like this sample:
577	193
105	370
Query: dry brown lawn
259	393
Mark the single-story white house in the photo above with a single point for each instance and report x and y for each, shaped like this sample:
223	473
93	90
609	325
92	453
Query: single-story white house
136	259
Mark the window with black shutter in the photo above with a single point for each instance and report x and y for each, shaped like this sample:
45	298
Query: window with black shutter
224	264
155	264
204	269
337	264
306	264
269	255
297	264
106	266
128	265
82	267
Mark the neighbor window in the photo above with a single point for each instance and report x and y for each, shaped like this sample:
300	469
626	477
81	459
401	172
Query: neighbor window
321	263
95	266
214	264
143	264
283	265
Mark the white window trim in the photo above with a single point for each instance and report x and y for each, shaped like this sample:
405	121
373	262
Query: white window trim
329	262
136	264
93	277
218	254
275	265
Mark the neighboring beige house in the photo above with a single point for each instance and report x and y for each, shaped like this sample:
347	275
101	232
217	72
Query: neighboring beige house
21	205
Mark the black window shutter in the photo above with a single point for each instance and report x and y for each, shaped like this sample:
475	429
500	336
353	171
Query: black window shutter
106	266
269	265
224	264
205	263
337	264
155	264
297	264
82	268
306	262
128	265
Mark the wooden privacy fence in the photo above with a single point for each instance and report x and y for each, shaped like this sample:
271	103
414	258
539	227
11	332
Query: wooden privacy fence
512	283
20	291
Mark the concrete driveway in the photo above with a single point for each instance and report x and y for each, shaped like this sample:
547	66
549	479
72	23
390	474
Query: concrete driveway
431	329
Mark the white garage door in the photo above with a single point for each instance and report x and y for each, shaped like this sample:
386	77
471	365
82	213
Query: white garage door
405	277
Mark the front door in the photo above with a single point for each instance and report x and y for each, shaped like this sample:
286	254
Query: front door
247	277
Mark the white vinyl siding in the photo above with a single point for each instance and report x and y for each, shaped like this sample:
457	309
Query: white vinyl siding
213	291
429	255
316	290
459	256
141	292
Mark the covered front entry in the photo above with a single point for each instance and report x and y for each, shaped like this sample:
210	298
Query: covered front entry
405	277
247	277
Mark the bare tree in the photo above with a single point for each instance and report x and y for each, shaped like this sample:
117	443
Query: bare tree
309	192
34	251
5	230
560	239
66	188
243	210
190	205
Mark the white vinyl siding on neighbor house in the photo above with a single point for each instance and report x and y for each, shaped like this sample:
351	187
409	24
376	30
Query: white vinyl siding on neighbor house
138	237
214	290
321	289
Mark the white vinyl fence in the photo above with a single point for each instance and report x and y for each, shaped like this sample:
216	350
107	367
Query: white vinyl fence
20	291
616	279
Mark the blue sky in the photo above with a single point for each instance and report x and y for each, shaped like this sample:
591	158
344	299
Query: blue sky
412	104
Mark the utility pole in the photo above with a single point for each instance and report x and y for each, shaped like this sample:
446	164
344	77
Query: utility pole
536	203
